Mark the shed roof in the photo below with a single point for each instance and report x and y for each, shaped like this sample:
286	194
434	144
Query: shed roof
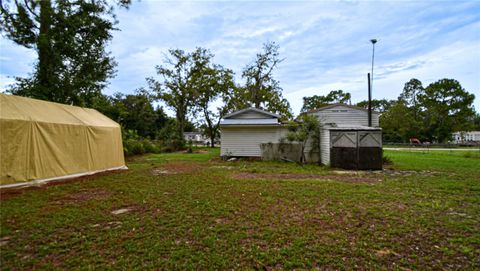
266	113
249	122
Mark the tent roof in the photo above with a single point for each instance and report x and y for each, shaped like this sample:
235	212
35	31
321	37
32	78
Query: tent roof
20	108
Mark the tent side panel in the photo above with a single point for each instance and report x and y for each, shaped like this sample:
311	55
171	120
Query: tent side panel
57	150
105	147
14	150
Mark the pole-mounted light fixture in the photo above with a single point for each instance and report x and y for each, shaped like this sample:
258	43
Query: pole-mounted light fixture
373	41
370	85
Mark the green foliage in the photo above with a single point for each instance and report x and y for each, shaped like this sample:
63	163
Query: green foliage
387	160
181	78
134	112
448	108
305	128
133	144
381	106
431	114
411	91
472	154
399	124
476	122
212	82
261	90
317	101
70	38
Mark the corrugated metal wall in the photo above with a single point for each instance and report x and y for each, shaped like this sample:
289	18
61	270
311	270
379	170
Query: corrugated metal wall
245	141
342	115
325	146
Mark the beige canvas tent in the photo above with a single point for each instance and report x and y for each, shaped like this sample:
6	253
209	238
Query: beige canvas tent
42	141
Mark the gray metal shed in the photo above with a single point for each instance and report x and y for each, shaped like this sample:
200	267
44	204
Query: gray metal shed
351	147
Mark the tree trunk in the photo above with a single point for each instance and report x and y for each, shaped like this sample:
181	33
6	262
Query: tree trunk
45	70
212	141
180	124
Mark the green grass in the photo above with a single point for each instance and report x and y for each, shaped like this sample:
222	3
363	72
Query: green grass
465	162
191	211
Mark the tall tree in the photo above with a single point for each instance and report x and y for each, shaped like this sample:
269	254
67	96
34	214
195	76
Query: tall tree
178	88
398	123
212	82
476	122
317	101
70	38
261	90
411	91
448	108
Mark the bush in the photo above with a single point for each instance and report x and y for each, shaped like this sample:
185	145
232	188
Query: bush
470	154
150	146
133	147
387	160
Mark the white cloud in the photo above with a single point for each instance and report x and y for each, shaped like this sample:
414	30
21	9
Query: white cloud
325	43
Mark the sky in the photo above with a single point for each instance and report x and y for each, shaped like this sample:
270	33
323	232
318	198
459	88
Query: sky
326	44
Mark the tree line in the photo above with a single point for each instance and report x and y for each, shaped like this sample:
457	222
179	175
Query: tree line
73	67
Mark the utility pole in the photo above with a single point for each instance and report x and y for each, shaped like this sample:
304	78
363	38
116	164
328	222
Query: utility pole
373	41
370	85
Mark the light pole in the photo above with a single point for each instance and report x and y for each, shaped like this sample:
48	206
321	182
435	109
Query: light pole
370	86
373	41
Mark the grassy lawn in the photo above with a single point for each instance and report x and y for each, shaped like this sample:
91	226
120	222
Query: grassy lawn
194	211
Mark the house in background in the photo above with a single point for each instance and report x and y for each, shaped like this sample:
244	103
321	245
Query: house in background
194	137
197	138
346	140
466	137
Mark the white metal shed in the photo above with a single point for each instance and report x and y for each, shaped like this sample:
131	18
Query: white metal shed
242	132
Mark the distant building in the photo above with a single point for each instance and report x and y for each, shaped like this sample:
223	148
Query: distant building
464	137
196	137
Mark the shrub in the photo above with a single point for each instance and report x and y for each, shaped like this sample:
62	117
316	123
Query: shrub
387	160
470	154
136	147
150	146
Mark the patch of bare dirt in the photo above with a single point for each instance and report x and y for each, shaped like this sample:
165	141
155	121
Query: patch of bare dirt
294	176
85	195
7	193
175	168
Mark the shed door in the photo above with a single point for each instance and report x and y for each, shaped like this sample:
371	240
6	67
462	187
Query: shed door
370	150
343	152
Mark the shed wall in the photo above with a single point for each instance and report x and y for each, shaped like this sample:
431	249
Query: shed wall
325	146
342	115
245	141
